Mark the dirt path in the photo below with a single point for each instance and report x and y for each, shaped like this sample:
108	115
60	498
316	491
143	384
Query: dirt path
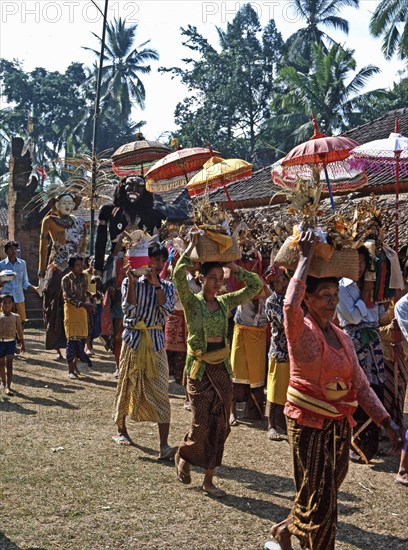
66	485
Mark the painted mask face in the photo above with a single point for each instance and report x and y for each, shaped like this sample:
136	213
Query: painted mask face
65	205
134	189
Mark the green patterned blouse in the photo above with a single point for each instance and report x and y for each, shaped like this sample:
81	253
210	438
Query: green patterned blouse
203	323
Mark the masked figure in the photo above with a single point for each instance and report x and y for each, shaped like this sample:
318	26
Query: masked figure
132	208
67	236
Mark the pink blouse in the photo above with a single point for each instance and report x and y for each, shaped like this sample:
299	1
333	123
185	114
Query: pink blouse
314	365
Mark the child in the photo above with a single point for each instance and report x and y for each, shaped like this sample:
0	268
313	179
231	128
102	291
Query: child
74	288
94	317
10	327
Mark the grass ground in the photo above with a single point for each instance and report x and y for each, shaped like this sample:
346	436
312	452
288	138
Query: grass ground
66	485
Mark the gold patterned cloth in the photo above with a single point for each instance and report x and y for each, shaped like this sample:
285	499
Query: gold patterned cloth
142	398
320	460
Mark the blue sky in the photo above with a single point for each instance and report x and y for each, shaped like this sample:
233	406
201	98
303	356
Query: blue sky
51	34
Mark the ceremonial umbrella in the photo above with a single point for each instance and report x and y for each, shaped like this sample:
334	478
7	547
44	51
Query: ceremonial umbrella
390	155
319	151
133	158
218	172
342	179
177	168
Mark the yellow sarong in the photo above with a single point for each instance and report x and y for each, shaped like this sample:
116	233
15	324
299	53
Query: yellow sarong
75	321
278	382
248	355
211	357
143	357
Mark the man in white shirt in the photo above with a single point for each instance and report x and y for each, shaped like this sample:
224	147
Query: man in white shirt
20	283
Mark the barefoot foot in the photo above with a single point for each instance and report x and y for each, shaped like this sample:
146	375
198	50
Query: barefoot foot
213	490
281	534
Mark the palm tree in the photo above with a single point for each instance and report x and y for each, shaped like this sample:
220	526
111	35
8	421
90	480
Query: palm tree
390	20
316	14
331	90
121	84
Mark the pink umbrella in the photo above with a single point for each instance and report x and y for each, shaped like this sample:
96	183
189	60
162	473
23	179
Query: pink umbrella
390	154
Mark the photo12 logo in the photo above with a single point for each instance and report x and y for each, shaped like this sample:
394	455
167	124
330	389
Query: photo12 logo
69	11
223	11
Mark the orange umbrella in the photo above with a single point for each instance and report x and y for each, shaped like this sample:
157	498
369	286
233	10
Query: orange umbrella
218	172
133	158
175	169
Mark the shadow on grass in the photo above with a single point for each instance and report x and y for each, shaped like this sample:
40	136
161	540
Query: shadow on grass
388	464
255	506
41	383
7	405
45	402
363	539
7	544
258	481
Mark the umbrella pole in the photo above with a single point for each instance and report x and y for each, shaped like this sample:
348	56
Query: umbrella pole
228	198
329	187
397	159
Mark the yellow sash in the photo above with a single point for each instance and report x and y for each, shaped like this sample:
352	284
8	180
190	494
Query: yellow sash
316	405
211	357
144	354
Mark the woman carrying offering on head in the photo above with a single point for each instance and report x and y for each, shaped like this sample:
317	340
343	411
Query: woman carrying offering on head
209	383
326	384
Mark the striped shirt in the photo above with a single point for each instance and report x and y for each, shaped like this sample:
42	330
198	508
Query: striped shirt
147	310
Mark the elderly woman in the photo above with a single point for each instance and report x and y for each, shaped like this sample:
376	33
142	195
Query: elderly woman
326	384
209	383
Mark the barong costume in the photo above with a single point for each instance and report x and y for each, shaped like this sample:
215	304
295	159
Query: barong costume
208	369
325	387
69	238
361	324
112	221
142	391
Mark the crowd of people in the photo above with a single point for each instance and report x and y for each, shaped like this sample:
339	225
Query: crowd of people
306	353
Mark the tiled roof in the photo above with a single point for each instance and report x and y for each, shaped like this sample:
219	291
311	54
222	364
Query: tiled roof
258	190
255	191
381	127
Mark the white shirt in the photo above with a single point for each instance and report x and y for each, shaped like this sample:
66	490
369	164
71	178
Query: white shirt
351	309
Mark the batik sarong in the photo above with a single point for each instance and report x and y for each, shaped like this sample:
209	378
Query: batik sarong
142	398
53	310
320	459
367	343
396	373
210	400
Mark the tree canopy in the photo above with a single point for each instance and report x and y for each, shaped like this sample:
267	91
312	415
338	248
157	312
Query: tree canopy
229	86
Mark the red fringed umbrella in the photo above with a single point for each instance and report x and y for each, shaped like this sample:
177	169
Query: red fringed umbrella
319	151
132	159
343	179
177	168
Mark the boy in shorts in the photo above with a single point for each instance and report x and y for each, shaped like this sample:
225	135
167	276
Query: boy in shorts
10	328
